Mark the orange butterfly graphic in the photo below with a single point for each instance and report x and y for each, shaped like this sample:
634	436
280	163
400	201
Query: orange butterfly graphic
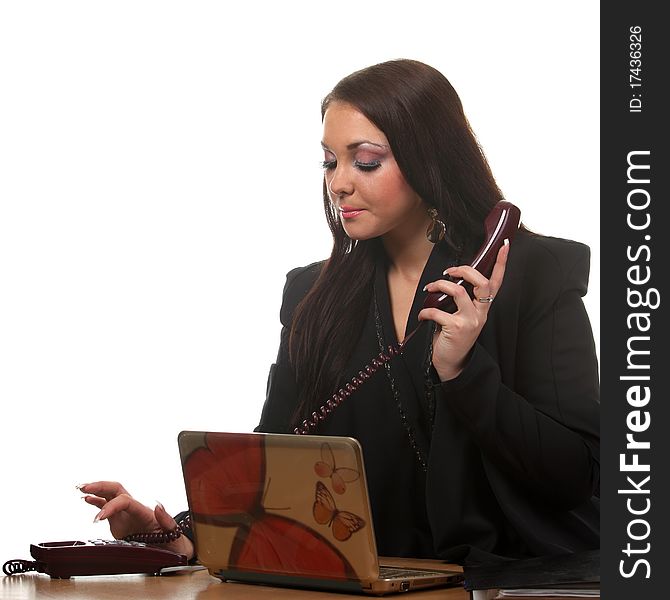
339	476
342	522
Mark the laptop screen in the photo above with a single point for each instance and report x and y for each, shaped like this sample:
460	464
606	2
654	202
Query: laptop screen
279	504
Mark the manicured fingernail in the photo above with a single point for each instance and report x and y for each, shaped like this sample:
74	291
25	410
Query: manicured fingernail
160	505
506	242
80	486
446	271
425	287
100	516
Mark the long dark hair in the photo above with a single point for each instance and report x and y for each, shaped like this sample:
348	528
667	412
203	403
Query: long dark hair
418	110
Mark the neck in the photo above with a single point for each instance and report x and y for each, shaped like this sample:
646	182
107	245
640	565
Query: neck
408	250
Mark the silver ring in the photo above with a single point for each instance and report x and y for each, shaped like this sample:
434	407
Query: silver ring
486	299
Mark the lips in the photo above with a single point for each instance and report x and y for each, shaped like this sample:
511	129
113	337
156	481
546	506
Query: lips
349	212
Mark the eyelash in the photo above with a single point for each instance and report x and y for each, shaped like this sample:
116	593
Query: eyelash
366	167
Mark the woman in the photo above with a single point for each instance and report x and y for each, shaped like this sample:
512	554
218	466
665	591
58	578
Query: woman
482	438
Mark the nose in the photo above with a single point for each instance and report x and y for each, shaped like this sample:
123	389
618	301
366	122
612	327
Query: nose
339	183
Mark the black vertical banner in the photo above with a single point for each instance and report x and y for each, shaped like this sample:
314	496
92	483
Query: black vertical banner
635	261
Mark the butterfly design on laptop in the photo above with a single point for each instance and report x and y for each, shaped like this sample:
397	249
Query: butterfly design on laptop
227	487
342	523
339	476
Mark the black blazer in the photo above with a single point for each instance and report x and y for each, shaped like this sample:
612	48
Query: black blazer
511	445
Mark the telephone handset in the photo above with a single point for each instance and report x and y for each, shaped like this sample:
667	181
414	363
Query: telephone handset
500	225
96	557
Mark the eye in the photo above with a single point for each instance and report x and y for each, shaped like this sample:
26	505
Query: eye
367	166
329	160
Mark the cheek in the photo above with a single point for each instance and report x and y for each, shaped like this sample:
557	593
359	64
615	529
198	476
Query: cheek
393	190
327	178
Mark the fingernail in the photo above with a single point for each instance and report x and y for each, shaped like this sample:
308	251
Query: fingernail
506	242
80	486
425	287
446	271
100	516
160	505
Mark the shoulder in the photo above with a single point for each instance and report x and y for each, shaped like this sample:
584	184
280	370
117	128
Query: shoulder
299	282
550	262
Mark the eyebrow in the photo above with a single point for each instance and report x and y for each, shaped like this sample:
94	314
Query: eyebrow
355	145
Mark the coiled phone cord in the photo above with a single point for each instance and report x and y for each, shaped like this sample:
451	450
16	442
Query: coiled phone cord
16	566
344	392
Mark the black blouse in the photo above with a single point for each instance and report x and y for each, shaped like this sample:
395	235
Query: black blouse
502	460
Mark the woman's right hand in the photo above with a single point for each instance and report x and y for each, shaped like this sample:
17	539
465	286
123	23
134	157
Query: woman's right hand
127	516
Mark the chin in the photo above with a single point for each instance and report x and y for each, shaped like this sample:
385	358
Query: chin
360	237
361	233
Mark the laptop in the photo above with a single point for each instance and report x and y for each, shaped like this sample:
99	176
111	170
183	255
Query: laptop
289	510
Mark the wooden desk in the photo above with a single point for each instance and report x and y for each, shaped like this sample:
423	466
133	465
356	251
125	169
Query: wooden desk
184	586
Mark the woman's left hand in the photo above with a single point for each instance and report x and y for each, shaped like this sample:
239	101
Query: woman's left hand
457	332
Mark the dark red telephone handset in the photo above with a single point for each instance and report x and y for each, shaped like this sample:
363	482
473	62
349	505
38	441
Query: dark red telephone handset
501	224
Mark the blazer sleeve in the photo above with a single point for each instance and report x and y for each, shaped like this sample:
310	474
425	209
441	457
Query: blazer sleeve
533	409
281	394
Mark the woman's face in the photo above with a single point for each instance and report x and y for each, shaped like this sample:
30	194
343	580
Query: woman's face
363	179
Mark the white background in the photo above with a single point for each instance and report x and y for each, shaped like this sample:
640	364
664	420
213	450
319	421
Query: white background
159	160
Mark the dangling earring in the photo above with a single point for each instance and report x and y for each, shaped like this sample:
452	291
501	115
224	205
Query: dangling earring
436	230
